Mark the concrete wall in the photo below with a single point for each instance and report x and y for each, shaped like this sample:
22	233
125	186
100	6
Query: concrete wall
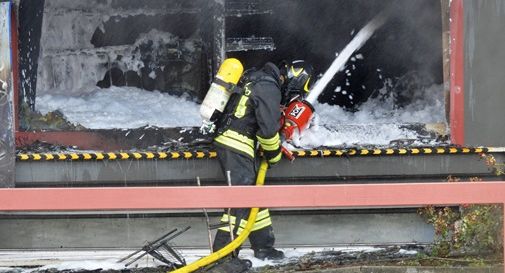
323	228
484	72
6	98
308	170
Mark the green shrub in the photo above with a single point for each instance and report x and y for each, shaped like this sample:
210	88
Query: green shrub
467	229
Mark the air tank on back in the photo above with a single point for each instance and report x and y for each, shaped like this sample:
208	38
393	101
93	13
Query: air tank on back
219	93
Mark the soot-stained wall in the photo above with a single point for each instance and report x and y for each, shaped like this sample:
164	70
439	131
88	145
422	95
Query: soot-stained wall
29	29
67	46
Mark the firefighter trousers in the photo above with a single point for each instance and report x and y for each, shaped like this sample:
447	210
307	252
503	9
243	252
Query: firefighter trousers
242	172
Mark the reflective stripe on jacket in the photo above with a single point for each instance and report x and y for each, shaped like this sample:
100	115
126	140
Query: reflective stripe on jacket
253	115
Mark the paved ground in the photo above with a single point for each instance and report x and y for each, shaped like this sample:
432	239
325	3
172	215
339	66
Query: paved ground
380	260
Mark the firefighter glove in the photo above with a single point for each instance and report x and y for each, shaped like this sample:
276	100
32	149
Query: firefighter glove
271	148
273	159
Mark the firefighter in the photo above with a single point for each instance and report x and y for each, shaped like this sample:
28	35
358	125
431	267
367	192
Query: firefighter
251	119
299	75
296	114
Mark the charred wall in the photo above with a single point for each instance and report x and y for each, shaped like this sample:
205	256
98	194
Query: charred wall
94	35
29	29
70	45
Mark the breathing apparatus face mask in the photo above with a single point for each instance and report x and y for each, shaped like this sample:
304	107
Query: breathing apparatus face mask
298	82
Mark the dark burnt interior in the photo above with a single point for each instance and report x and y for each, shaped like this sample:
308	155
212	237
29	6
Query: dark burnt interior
410	43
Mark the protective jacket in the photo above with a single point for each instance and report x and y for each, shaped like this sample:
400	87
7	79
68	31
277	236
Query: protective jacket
252	115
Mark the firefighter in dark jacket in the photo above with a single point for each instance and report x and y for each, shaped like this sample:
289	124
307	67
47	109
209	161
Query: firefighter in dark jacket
251	119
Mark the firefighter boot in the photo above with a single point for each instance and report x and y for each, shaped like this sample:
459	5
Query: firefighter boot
268	253
230	265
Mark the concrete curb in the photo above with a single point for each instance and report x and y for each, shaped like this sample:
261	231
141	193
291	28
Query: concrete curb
412	269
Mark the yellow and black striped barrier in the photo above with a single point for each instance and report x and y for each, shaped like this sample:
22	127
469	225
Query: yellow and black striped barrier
386	152
98	156
86	156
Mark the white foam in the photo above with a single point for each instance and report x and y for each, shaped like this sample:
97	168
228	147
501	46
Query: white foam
122	107
377	122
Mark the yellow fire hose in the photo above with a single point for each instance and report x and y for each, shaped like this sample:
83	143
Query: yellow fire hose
223	252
